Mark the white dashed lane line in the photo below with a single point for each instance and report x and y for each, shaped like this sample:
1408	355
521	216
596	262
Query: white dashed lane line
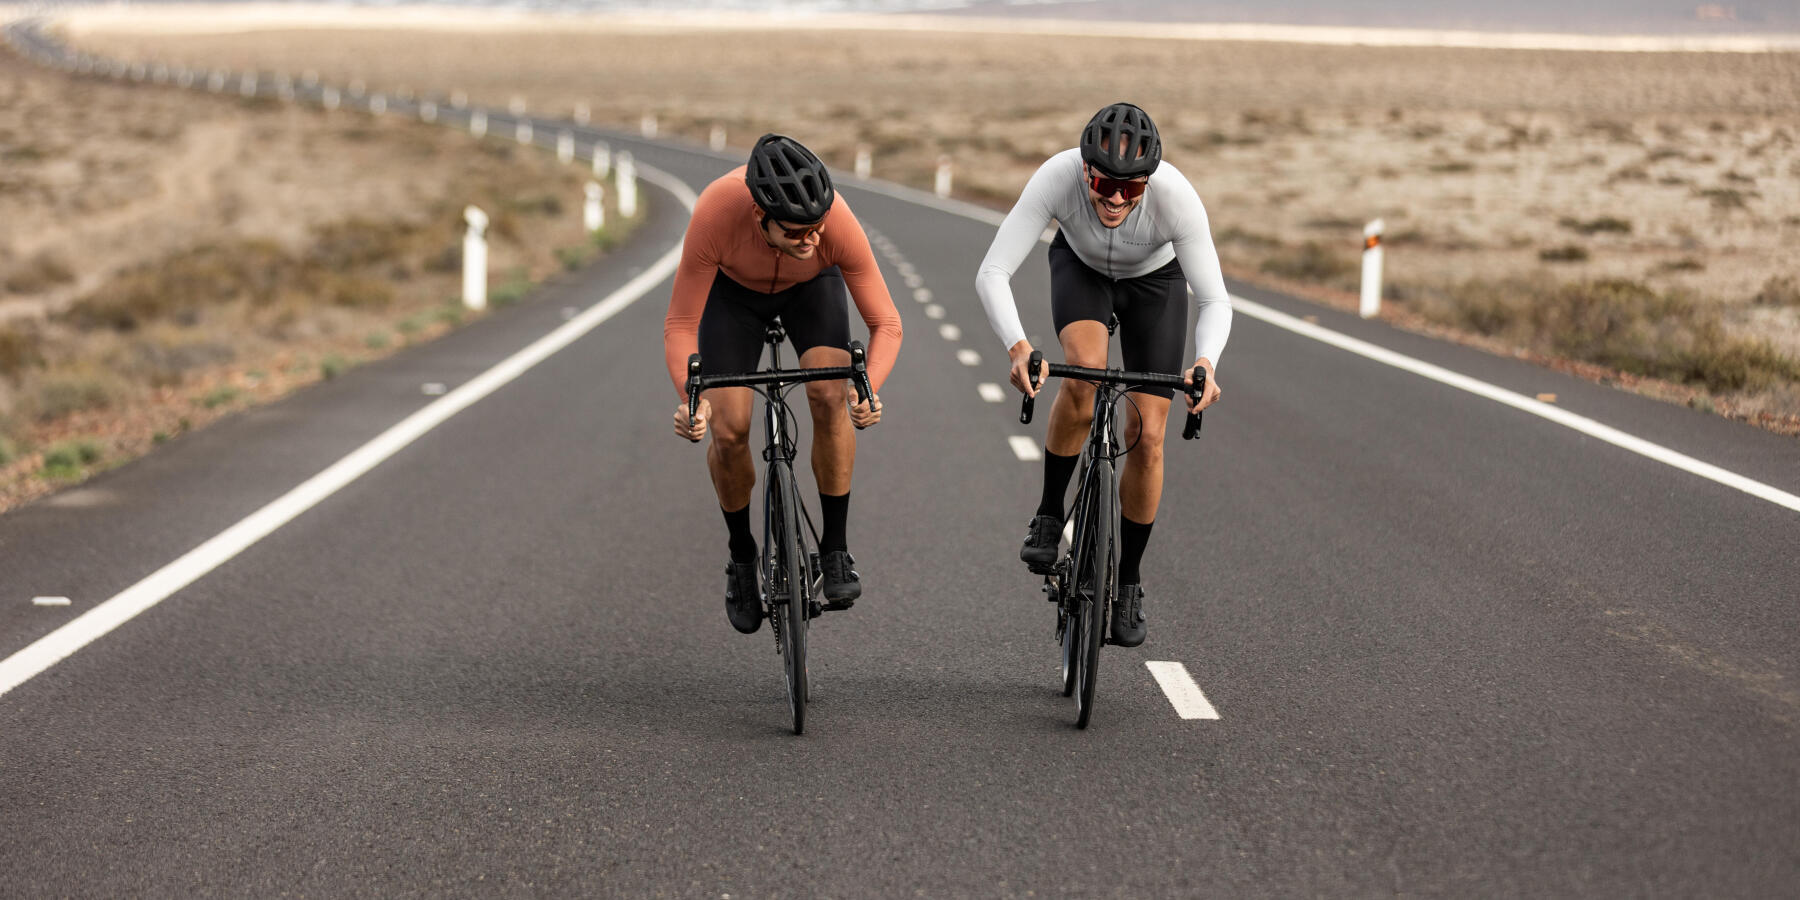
990	392
923	295
968	357
1189	702
950	332
1025	448
934	311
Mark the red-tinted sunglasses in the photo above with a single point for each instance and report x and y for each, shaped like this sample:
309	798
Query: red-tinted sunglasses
795	234
1106	187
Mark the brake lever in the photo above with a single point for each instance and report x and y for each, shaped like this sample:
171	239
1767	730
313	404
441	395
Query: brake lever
859	361
693	391
1192	429
1030	403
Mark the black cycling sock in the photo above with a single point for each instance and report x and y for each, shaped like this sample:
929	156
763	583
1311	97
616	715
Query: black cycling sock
1057	471
835	511
1133	539
743	543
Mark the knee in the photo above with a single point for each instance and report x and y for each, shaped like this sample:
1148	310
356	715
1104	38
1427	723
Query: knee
730	436
827	399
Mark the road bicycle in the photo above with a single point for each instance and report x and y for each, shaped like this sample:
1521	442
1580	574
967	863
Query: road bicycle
1084	583
790	559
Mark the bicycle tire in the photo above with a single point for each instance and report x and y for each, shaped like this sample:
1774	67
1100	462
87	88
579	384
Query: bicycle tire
794	584
1104	569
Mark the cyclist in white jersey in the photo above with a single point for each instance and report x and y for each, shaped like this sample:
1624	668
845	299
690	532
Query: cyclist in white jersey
1131	239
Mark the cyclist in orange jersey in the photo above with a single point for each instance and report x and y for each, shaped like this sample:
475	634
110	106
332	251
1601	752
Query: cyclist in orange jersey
772	240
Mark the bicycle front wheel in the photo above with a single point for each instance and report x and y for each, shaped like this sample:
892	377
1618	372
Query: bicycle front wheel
790	586
1103	572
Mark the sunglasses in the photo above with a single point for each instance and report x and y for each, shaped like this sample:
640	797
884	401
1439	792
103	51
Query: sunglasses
1106	187
796	234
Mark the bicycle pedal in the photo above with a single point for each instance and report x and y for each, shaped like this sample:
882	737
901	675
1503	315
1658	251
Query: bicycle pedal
814	610
838	605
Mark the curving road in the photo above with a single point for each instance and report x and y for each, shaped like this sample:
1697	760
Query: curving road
1452	646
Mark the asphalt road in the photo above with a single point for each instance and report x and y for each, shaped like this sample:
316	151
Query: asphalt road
1454	648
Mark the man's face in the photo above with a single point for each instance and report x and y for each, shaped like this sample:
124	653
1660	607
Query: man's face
1114	198
797	241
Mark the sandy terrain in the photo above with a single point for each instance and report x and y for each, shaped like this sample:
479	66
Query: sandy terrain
1525	169
167	257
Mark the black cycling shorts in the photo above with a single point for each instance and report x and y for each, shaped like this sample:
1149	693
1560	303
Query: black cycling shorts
1152	310
734	325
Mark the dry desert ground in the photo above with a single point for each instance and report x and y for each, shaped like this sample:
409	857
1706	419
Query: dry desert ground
1637	211
167	257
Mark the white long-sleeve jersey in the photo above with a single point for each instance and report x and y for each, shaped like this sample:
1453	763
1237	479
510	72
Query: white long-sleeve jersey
1170	223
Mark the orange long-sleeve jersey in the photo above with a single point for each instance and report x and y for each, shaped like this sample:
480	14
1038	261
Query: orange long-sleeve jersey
725	235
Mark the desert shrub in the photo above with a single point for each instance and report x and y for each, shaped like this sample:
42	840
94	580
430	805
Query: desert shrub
1603	223
1244	237
1779	290
1685	264
359	242
61	393
19	350
1726	199
1622	324
41	272
1565	253
360	292
1452	167
1311	261
180	287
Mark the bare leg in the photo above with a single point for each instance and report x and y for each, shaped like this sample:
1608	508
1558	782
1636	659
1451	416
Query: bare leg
834	438
728	456
1140	486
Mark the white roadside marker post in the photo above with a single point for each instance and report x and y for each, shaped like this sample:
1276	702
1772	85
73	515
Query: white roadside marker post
247	86
475	259
863	161
716	140
647	125
942	187
593	215
478	123
627	185
329	97
582	114
565	146
428	111
1371	269
602	160
378	104
522	132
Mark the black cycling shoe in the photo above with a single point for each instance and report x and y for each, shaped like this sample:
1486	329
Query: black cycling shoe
1128	616
842	584
743	597
1041	539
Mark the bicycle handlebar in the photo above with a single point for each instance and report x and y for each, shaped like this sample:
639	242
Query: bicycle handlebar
1118	377
857	372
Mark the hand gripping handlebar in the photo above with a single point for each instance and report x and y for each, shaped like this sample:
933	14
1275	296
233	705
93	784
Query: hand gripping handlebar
857	372
1117	377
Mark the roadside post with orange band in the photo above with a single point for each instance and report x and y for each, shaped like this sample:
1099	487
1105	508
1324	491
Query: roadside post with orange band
1371	269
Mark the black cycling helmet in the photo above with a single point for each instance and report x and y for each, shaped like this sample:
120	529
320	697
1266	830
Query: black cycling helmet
788	181
1122	142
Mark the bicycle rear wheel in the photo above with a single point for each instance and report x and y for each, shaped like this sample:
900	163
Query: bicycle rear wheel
1103	570
790	585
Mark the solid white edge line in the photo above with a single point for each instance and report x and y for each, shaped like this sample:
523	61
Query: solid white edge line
1025	448
1181	690
1520	402
159	585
